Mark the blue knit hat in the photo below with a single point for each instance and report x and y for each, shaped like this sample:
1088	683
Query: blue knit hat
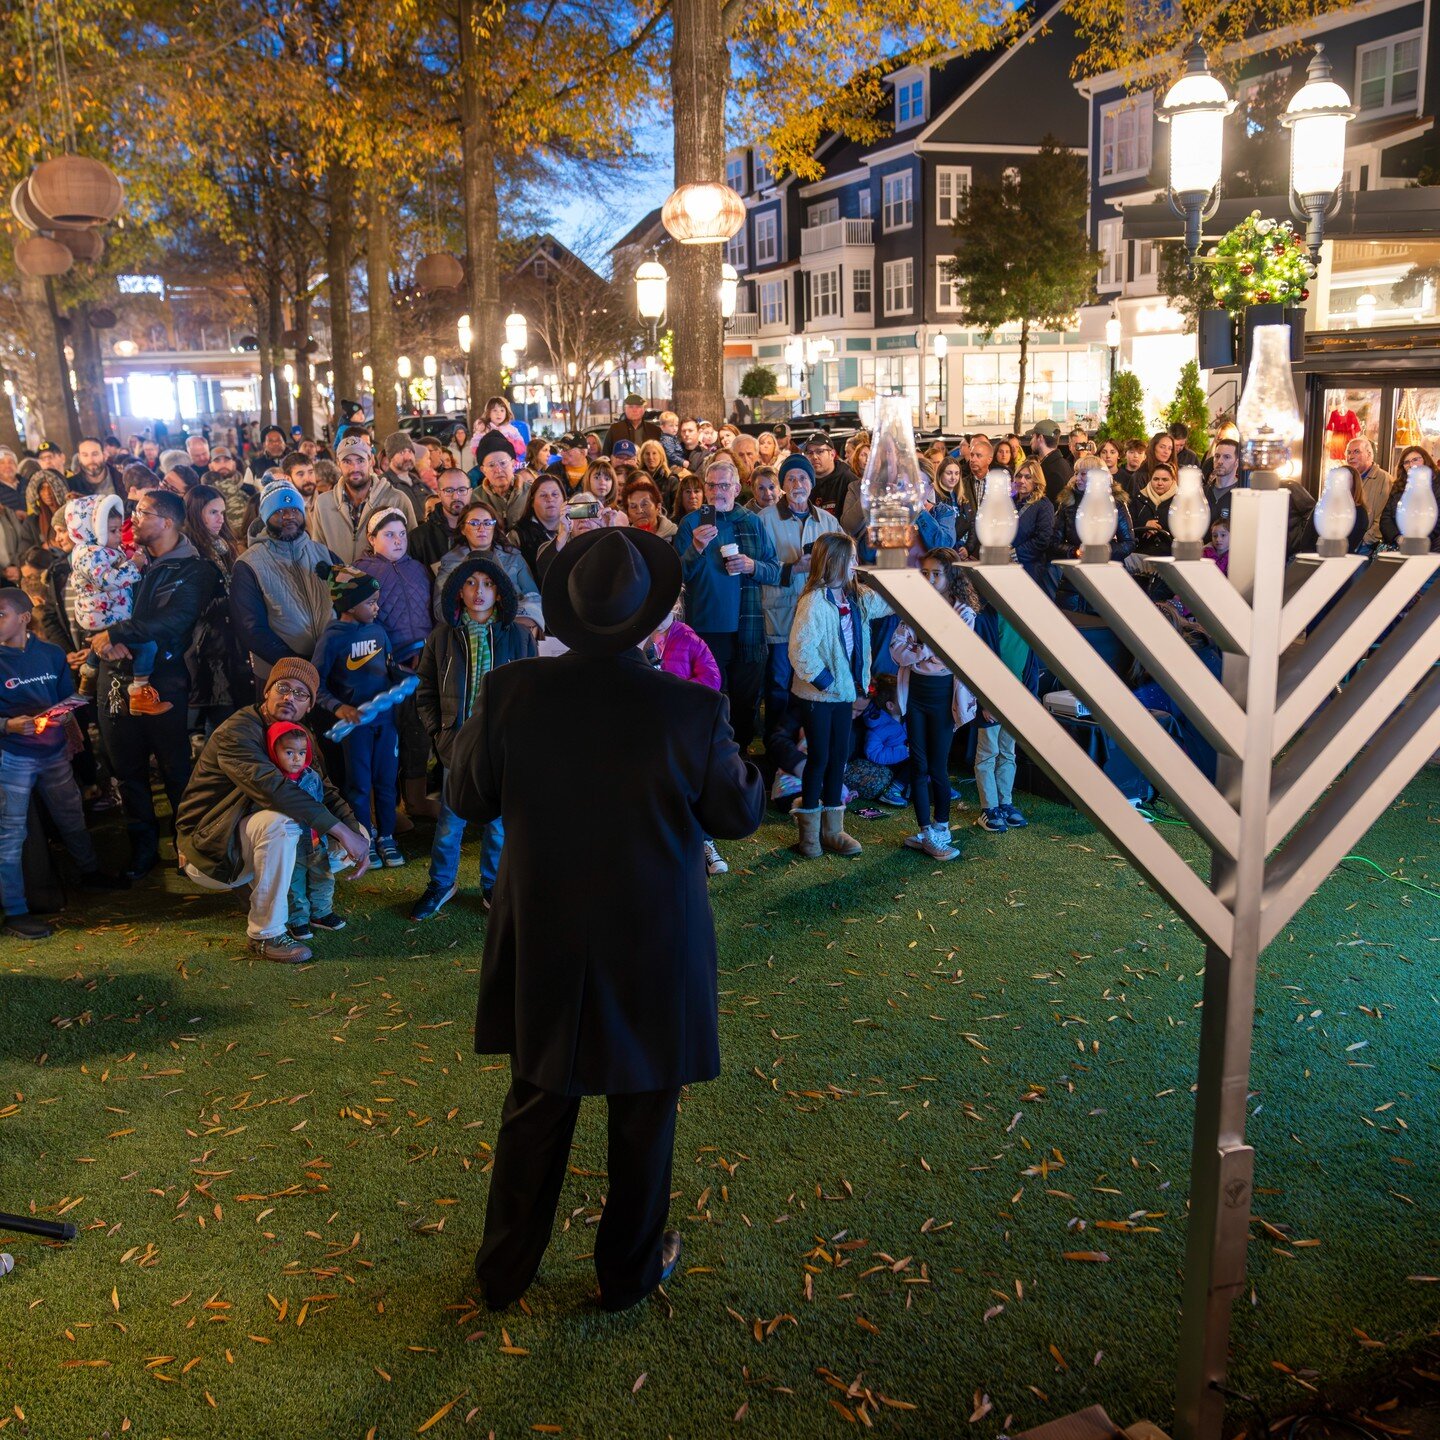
796	462
280	495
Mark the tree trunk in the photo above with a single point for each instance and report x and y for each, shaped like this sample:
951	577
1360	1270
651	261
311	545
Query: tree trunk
1020	389
699	80
382	313
91	398
9	430
49	399
266	357
275	324
305	401
479	162
339	246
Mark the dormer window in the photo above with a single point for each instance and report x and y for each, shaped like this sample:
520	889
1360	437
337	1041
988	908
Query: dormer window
735	174
909	99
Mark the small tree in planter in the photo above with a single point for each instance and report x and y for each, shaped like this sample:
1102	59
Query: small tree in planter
1190	407
758	382
1124	410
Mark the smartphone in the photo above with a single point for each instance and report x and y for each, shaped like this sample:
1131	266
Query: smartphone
582	509
707	514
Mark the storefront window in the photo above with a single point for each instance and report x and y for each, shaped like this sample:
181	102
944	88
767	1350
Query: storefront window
1349	413
1379	283
899	375
1417	419
1060	385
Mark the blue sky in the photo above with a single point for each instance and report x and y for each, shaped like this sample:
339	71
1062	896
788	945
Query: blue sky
623	201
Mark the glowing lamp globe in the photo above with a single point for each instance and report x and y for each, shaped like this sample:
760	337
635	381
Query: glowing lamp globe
1195	107
1335	513
1189	518
1268	417
997	520
1097	516
651	283
729	287
1417	512
1316	118
517	331
403	368
893	488
703	214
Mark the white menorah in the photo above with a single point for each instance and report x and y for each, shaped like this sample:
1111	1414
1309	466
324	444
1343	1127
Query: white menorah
1302	753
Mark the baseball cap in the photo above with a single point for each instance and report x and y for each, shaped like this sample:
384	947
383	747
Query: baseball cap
48	447
1048	428
353	445
633	399
572	440
820	440
624	450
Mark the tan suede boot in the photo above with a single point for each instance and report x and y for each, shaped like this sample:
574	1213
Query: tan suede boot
832	833
808	823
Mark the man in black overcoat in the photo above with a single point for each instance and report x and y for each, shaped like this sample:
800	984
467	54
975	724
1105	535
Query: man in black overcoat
598	978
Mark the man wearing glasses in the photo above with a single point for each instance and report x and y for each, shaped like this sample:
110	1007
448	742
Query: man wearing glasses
173	592
436	533
725	557
241	817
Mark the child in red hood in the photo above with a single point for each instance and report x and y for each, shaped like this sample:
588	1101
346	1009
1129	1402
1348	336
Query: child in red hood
312	884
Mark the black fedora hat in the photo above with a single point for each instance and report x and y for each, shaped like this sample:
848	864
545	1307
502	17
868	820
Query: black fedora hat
609	589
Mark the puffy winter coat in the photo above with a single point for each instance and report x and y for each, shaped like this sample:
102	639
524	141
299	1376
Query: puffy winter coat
823	671
789	535
102	580
404	602
682	652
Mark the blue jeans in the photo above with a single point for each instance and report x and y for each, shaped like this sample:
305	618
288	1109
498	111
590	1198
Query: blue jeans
19	775
372	767
445	850
994	766
778	700
312	882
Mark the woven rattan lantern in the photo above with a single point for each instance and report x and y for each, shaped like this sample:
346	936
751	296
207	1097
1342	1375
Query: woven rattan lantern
440	271
84	245
37	256
76	190
704	214
103	319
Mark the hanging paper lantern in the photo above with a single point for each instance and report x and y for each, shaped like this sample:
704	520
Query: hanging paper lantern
706	214
37	256
289	338
84	245
103	319
76	190
440	271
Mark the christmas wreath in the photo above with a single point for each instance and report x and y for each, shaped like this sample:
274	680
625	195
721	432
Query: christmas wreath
1259	262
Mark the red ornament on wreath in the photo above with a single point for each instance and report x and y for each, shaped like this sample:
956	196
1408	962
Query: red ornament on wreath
1262	297
1304	294
1247	269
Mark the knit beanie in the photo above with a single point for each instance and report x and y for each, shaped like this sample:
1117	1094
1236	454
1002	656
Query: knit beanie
349	588
796	462
279	495
397	442
384	517
295	670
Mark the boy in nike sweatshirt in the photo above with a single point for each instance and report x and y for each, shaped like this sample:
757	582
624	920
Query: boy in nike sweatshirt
354	663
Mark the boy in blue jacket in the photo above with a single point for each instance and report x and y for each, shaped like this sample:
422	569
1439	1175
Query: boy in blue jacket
354	663
34	678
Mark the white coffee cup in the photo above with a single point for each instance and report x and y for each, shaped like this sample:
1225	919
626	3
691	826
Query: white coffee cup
730	551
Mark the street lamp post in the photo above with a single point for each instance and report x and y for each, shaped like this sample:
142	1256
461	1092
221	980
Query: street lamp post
940	346
1112	341
1195	107
404	370
652	284
432	371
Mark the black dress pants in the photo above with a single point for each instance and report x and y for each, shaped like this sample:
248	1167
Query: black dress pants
742	682
130	741
531	1155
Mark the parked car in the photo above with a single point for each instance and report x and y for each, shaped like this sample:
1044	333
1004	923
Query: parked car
441	427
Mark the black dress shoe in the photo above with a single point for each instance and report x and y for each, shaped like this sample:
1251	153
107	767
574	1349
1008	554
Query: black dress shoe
670	1247
27	927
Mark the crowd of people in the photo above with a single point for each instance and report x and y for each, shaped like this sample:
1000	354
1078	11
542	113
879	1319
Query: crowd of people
208	616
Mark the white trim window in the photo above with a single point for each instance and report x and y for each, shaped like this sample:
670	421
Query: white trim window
824	294
948	291
867	201
1110	242
764	175
1125	128
861	282
1143	269
951	181
735	249
767	238
899	283
909	100
773	310
735	173
1388	74
897	200
823	213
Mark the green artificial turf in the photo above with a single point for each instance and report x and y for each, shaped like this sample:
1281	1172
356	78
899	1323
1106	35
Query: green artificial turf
933	1076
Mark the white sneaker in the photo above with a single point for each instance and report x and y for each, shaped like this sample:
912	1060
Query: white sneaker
937	843
714	864
915	841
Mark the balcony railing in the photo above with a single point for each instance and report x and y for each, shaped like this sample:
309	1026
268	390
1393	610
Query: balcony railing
835	235
742	323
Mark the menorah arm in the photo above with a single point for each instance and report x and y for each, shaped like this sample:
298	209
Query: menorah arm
1156	755
1212	599
1181	672
1383	769
1310	584
1337	734
1052	748
1339	642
